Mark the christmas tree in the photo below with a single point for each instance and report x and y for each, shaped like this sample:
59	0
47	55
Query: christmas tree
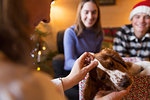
41	54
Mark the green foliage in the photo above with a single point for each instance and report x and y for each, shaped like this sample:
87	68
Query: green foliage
40	33
41	54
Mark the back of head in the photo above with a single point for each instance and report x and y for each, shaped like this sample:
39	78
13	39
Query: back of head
141	7
14	30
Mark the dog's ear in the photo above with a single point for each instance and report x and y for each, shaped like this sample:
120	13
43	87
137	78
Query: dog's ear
97	74
91	88
93	83
93	74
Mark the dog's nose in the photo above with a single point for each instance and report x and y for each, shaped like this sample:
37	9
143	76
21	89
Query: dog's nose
126	82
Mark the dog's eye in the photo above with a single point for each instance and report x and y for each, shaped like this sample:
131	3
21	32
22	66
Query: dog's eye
103	77
111	64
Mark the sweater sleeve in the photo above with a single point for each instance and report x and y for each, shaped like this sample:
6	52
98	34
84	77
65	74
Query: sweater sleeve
69	48
59	84
119	43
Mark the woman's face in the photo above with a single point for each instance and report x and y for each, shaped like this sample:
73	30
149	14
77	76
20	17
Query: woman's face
89	14
38	10
141	24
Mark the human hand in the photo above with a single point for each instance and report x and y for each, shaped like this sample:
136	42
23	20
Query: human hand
80	69
112	96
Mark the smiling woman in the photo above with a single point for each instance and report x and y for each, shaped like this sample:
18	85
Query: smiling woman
89	14
85	35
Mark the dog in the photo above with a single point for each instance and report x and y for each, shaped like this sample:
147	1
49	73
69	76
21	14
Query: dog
110	75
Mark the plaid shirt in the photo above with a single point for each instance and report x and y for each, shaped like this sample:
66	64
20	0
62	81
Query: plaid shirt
127	45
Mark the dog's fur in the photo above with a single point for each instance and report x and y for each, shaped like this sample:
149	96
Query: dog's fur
99	80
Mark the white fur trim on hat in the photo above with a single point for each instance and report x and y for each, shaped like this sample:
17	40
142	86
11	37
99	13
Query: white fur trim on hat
140	9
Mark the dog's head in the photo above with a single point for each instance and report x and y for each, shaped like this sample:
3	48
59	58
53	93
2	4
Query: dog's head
112	69
111	74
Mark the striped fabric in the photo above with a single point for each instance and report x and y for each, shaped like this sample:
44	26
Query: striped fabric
127	45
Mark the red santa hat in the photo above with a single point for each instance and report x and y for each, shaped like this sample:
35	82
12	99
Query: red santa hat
141	7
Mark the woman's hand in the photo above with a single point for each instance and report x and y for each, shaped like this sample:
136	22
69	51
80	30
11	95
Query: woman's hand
112	96
81	67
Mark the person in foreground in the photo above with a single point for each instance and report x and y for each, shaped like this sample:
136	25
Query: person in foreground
86	35
133	40
19	81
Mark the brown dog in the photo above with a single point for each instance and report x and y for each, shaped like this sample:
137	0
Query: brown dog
110	75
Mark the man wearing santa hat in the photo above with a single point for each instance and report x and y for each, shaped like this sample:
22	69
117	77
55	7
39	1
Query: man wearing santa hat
133	40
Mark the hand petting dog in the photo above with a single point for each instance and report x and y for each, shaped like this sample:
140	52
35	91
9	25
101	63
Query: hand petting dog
111	75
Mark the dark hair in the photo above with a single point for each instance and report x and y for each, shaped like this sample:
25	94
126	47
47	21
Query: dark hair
15	40
79	24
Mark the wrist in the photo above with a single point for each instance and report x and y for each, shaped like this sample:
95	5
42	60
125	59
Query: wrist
68	82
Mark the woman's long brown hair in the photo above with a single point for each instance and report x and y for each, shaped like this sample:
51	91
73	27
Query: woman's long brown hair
79	24
15	40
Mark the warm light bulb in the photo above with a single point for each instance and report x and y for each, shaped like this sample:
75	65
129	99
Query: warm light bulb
38	68
39	52
53	2
44	48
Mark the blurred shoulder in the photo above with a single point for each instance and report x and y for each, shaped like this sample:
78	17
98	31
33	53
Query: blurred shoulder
51	91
